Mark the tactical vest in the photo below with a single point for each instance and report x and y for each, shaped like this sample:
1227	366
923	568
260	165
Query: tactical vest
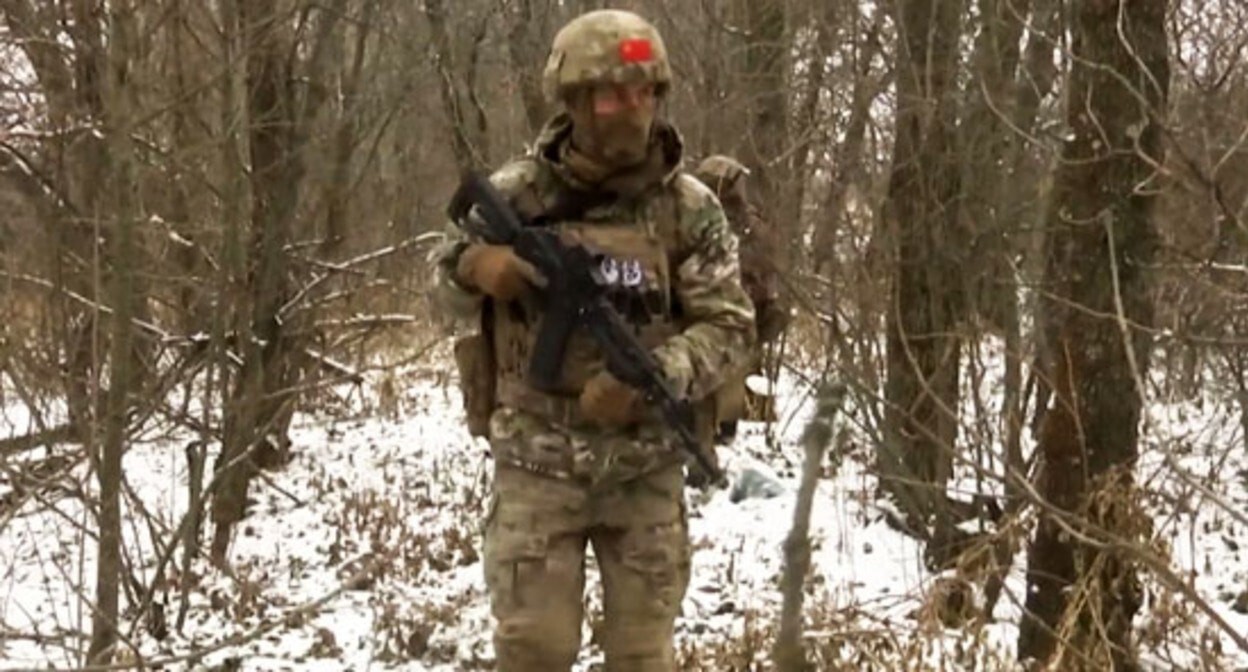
637	244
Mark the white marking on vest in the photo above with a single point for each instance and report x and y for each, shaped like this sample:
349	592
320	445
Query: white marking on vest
610	269
633	273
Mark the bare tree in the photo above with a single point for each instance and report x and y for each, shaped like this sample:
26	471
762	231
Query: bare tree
999	203
1082	588
921	212
124	210
71	81
529	31
465	113
259	406
849	154
764	68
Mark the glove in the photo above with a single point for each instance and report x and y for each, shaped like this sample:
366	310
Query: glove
497	271
610	403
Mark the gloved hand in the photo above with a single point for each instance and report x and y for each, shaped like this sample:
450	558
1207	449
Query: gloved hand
496	271
610	403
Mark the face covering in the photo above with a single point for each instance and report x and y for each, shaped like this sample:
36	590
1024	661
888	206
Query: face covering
619	140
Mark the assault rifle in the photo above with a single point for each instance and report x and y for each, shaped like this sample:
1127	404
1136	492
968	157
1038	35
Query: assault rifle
574	298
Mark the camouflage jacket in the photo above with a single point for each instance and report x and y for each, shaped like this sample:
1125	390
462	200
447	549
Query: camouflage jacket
716	315
707	283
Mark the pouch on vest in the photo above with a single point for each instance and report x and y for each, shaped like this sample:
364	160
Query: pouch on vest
474	356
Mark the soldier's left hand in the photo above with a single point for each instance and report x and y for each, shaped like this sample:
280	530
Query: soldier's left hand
610	403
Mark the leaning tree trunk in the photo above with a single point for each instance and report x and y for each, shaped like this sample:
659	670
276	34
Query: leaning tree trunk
1081	598
923	349
788	651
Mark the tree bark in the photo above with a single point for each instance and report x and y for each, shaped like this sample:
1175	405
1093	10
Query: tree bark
923	347
1101	239
346	138
527	38
259	406
765	83
118	165
847	169
469	136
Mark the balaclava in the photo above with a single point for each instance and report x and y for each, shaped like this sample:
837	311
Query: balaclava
613	142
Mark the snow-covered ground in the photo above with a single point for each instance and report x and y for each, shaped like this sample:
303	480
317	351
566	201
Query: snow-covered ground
364	553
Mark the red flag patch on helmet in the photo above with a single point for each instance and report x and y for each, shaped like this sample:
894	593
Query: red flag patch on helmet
636	50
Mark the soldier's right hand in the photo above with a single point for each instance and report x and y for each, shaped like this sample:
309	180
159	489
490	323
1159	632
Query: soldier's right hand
497	271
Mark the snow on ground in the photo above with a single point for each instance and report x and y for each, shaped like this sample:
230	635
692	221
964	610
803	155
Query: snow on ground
364	554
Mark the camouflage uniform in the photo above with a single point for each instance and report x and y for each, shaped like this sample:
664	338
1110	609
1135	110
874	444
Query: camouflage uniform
760	276
561	482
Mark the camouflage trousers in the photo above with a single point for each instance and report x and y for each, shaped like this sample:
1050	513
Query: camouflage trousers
536	534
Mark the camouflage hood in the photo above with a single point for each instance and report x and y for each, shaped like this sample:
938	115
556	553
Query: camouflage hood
553	148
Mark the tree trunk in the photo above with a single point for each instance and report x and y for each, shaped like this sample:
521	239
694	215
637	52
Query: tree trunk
527	38
985	143
923	347
1024	200
119	207
259	406
847	169
765	84
999	118
71	81
1017	198
1081	599
346	138
469	138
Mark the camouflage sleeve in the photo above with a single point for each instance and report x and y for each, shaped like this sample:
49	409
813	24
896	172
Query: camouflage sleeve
448	294
716	310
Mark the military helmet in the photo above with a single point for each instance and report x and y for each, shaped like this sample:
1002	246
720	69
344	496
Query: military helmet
602	47
720	172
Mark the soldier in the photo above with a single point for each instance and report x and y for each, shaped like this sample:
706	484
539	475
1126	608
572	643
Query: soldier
591	464
760	275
